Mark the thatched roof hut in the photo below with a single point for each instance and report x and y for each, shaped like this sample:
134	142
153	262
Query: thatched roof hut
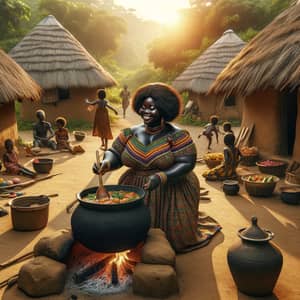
271	59
62	67
267	72
15	84
198	77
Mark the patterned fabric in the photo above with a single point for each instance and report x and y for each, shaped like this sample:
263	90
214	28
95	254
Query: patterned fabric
10	161
62	137
173	206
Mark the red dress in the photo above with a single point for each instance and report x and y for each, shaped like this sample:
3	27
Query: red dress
101	122
11	164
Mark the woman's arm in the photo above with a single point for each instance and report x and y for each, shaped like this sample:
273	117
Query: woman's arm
182	166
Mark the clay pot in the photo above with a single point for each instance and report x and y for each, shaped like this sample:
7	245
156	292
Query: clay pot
254	262
231	187
111	227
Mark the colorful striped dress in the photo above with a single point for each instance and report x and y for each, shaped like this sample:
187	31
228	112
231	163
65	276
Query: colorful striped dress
173	205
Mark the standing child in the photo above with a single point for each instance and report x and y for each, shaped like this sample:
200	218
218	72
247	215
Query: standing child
209	129
10	161
125	95
101	121
227	128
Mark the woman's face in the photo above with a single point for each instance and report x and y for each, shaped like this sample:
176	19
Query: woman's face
149	112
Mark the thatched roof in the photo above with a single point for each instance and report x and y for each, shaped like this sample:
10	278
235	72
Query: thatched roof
199	76
271	59
15	83
56	59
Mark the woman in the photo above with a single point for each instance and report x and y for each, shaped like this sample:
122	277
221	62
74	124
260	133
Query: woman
101	121
227	169
161	157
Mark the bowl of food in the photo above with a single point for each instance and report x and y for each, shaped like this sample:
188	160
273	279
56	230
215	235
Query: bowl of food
260	185
42	165
213	159
290	195
273	167
79	135
249	155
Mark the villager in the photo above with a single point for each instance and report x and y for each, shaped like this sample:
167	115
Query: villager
227	169
62	134
125	96
101	121
209	128
159	156
41	130
227	128
11	163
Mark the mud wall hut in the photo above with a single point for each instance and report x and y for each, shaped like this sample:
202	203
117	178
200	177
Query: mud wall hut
15	85
64	69
198	77
267	74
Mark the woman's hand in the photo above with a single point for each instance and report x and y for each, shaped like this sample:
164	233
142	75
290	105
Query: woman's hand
104	167
152	183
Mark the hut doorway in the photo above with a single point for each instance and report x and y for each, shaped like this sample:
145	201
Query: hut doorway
288	118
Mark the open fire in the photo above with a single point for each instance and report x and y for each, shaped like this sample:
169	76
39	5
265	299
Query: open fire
101	273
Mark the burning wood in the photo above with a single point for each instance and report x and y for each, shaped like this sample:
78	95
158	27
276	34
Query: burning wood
87	272
114	273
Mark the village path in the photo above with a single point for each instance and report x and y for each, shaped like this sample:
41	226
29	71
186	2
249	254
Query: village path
202	274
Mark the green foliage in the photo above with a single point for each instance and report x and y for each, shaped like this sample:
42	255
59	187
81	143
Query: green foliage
188	120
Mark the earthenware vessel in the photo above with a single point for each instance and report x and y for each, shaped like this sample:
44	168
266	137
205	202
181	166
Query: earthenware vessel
111	227
231	187
255	263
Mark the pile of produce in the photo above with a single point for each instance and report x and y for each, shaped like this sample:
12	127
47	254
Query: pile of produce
4	182
116	197
271	163
260	178
249	151
214	156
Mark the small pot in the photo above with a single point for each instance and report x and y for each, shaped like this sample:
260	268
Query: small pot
30	213
231	187
42	165
290	195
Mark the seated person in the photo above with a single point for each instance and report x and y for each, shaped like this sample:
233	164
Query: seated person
10	161
62	134
40	132
227	169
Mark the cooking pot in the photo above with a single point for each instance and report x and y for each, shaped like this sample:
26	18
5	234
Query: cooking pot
111	227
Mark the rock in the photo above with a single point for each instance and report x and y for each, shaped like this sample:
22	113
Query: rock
42	276
157	249
56	246
157	281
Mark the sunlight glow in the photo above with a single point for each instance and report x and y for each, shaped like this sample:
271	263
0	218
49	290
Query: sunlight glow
162	11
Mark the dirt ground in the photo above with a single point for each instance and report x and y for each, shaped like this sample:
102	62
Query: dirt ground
202	274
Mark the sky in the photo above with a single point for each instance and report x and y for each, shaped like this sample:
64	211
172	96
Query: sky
163	11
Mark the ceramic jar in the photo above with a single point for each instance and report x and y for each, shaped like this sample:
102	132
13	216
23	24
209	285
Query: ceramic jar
231	187
255	263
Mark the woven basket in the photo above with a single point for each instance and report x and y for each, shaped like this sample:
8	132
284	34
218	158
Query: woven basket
260	189
292	178
211	163
249	160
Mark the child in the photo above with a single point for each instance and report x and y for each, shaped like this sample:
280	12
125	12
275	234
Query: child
40	132
62	134
227	128
101	121
227	169
10	161
209	129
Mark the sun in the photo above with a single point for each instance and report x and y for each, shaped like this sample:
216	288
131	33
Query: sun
167	18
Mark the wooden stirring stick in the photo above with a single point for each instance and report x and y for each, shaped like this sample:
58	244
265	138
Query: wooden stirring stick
101	192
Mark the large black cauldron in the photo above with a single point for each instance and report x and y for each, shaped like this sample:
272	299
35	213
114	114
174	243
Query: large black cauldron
111	227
